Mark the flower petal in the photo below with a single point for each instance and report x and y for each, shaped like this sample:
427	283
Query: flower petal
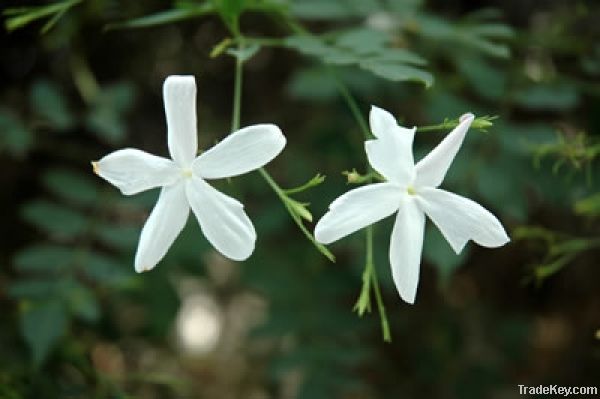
164	224
461	219
432	169
406	246
222	220
179	94
356	209
240	152
133	171
391	153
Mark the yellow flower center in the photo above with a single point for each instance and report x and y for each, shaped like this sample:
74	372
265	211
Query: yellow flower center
187	172
411	190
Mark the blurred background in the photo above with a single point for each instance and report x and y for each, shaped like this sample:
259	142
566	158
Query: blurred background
80	79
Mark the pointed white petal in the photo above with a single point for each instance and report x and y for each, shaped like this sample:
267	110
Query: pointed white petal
133	171
240	152
356	209
390	153
406	246
432	169
222	220
461	219
383	124
164	224
179	94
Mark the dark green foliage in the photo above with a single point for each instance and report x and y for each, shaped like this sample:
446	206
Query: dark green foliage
82	79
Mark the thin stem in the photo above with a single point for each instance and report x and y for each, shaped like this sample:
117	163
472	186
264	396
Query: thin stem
84	78
235	125
433	128
385	326
370	264
237	91
352	104
283	197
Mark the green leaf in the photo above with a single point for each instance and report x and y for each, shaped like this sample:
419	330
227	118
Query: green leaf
230	11
71	186
337	56
398	72
106	270
82	303
120	237
589	206
493	30
106	118
312	84
35	288
42	326
44	257
15	138
551	97
333	9
164	17
487	81
244	54
308	45
363	40
23	16
483	44
54	219
49	103
398	55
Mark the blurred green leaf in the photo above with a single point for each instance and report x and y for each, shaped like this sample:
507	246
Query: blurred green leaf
362	40
71	186
398	55
120	237
48	101
560	96
164	17
308	45
487	81
332	9
589	206
82	303
54	218
42	326
15	137
398	72
36	288
44	257
313	84
19	17
106	270
107	116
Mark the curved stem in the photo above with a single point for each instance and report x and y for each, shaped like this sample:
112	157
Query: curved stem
235	125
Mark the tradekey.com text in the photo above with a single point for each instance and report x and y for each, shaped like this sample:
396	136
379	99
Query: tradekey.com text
556	390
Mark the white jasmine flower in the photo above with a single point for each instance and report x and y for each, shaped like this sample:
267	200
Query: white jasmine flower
412	192
183	179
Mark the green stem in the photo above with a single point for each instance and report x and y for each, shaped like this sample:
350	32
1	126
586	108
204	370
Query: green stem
370	264
286	201
84	78
235	125
237	91
352	104
385	326
433	128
